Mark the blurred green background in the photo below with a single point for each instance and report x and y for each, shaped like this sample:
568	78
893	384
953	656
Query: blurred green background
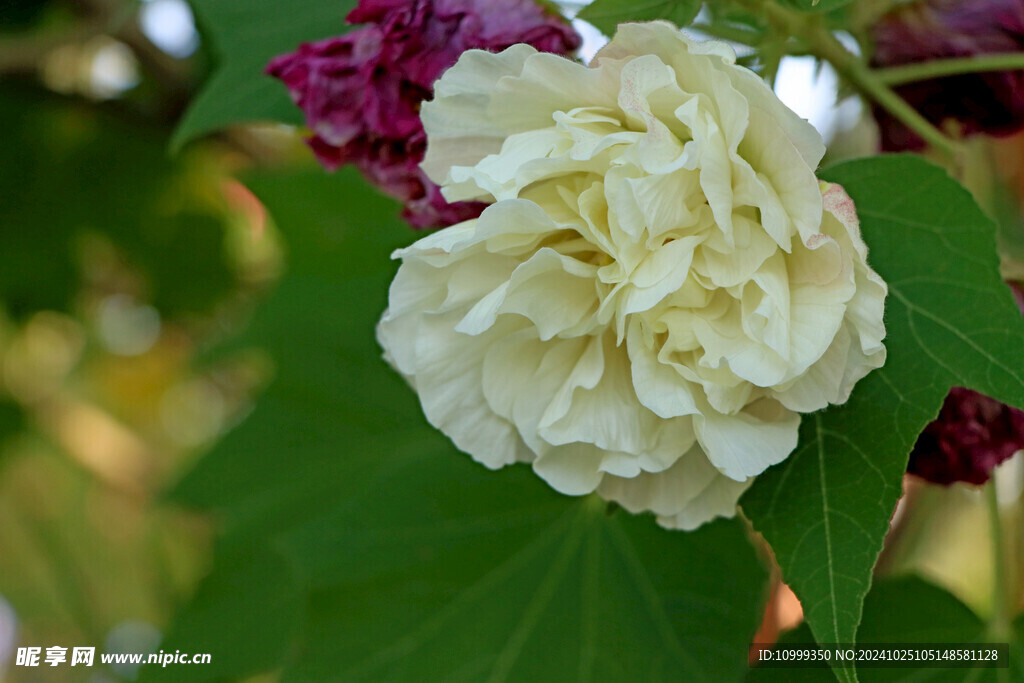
151	302
119	267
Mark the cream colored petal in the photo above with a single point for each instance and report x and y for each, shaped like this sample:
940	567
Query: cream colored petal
822	383
865	309
660	38
530	291
803	136
523	375
815	320
728	266
765	300
666	492
459	129
546	84
819	261
858	364
591	130
437	247
420	288
449	379
662	272
484	313
623	206
781	185
717	500
696	65
746	444
730	398
716	174
685	496
573	469
417	287
660	150
667	203
658	386
725	344
607	414
509	224
865	313
498	175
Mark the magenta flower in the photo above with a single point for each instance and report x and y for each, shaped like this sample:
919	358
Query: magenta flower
972	434
361	92
991	102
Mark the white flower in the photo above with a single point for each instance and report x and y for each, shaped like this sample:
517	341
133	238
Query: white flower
660	287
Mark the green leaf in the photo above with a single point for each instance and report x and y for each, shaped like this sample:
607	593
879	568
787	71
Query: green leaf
413	562
606	15
247	610
910	610
247	34
951	321
492	576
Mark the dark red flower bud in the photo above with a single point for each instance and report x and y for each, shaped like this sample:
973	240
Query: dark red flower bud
361	92
972	435
991	102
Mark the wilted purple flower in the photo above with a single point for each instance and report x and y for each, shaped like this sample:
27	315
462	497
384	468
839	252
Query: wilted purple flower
972	434
361	92
990	102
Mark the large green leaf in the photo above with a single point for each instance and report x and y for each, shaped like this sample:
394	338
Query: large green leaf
411	561
246	35
606	15
461	573
950	321
910	610
245	614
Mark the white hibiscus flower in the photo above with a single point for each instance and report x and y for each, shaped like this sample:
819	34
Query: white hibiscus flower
660	287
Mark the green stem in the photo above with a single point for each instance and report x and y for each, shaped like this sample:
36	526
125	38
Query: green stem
922	71
742	36
999	622
823	45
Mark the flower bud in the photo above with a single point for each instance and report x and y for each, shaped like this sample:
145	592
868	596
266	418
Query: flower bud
972	435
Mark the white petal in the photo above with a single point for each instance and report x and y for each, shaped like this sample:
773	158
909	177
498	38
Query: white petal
573	469
822	383
607	413
449	378
461	130
801	134
522	376
530	294
746	444
659	387
685	496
